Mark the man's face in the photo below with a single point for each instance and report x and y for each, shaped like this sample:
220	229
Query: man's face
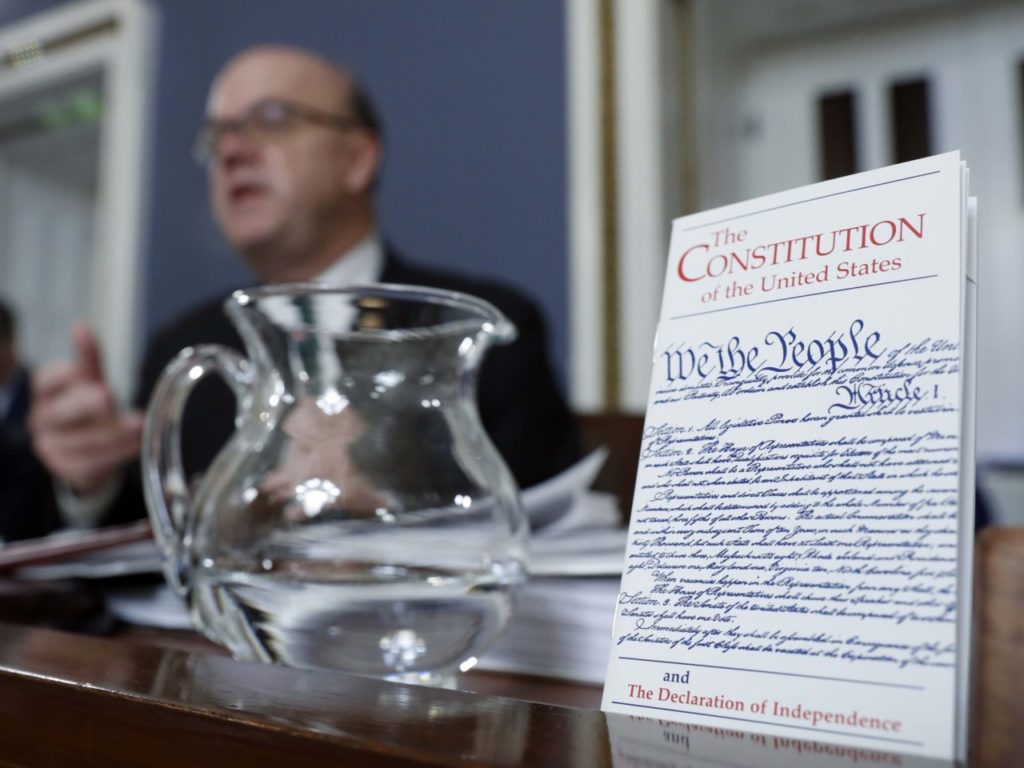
278	196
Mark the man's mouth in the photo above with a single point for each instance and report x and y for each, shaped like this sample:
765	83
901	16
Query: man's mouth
244	192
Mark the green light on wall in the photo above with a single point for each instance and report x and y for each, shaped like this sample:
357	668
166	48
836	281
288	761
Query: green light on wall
82	106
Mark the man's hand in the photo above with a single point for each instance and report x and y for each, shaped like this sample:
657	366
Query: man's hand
76	428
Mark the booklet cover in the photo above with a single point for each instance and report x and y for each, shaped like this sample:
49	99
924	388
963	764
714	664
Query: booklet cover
798	561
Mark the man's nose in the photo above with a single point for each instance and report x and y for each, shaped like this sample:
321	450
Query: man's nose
234	146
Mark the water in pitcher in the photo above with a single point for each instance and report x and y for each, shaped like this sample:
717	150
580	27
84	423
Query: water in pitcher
399	623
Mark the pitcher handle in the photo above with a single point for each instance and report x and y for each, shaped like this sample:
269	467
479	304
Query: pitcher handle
163	475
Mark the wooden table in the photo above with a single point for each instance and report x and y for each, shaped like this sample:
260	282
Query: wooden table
146	699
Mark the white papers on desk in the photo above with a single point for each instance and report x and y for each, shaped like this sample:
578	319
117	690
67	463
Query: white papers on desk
561	628
562	621
561	625
136	558
549	502
154	605
574	531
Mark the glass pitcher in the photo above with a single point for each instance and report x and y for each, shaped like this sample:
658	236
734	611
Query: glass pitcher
359	518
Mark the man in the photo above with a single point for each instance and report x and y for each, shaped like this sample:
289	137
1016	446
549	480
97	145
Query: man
21	477
293	148
14	381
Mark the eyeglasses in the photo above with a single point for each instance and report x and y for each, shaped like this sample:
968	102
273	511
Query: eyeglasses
264	120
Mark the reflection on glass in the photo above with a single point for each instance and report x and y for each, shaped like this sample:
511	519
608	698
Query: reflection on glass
667	744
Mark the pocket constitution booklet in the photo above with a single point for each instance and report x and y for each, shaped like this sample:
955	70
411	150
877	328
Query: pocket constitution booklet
799	552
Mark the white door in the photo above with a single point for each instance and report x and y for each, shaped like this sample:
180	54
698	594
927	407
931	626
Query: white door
972	66
49	146
75	100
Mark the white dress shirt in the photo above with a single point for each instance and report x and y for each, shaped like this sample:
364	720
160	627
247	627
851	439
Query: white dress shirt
363	264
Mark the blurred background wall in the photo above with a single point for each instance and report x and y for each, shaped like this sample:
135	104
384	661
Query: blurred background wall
472	97
550	143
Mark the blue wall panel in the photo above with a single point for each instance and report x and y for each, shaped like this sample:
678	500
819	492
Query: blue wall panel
472	94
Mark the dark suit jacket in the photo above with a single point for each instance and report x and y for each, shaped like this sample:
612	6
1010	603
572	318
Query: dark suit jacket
13	422
520	403
26	509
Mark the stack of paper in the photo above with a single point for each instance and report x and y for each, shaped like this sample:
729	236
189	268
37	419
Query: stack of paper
562	622
561	625
561	628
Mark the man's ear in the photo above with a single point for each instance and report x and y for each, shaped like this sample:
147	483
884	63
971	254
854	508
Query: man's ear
364	162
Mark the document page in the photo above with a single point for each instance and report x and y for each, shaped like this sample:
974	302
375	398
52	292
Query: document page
792	562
